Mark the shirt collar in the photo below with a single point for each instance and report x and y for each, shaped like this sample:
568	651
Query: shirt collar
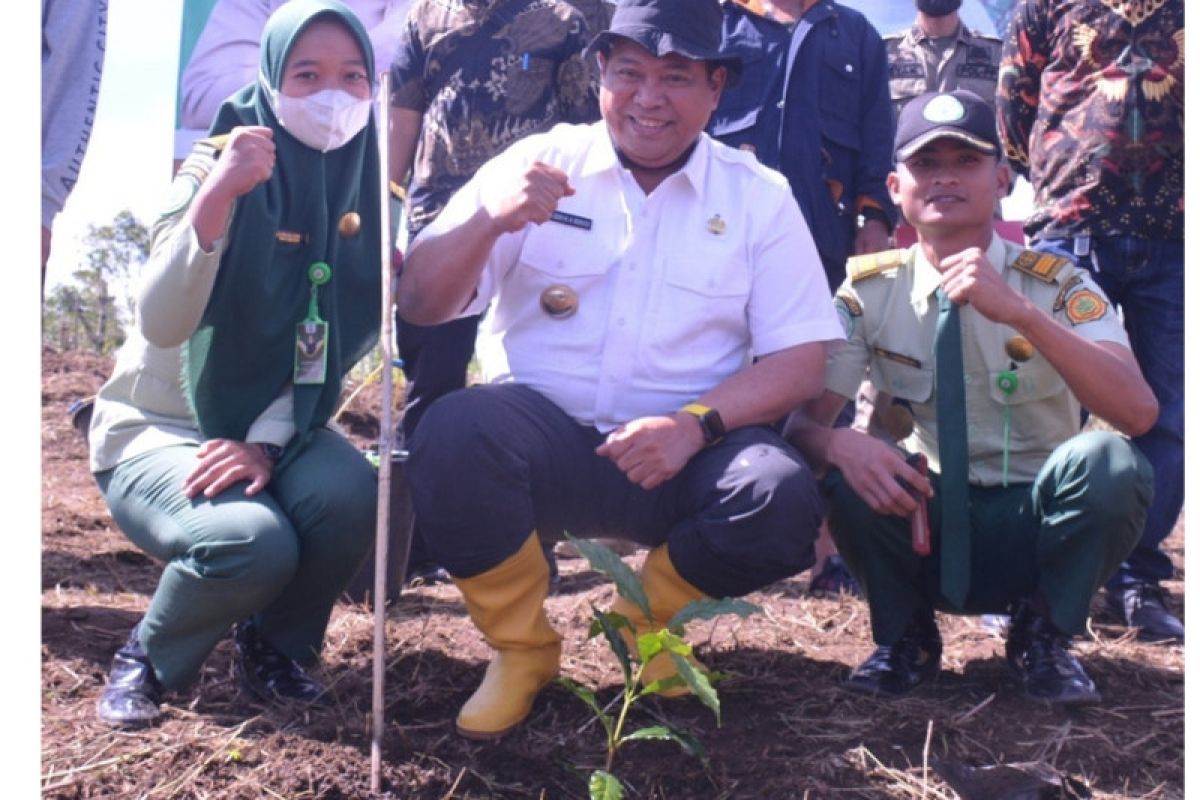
926	278
920	36
602	157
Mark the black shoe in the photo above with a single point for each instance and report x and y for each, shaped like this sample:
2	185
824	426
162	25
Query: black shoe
1039	653
834	579
1144	606
899	668
426	573
267	673
131	698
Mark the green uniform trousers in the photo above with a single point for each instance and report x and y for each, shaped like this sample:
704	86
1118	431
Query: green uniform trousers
282	556
1061	536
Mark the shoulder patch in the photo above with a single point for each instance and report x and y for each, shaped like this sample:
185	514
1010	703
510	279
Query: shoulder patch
852	304
215	144
1043	266
865	266
192	173
1060	302
1085	306
848	310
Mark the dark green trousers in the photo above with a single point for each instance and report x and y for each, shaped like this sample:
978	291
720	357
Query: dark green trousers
1061	536
282	556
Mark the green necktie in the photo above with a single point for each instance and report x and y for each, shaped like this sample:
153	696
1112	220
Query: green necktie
952	452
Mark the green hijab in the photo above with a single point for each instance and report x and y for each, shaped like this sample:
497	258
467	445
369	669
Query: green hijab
241	357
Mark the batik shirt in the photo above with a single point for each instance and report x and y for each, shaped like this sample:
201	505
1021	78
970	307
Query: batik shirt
485	74
1090	109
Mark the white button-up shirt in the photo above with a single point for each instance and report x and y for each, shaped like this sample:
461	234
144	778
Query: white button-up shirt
676	291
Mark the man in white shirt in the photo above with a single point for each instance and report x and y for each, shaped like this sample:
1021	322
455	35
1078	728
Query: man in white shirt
646	328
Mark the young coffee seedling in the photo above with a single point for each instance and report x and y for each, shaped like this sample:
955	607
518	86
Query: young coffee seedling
665	643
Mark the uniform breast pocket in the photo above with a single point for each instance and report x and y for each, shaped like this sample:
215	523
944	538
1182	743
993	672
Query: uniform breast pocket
909	380
1035	382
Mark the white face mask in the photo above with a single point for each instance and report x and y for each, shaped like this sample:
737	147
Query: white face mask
324	120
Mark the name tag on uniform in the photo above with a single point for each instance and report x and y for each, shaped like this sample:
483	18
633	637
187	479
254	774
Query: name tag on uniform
574	220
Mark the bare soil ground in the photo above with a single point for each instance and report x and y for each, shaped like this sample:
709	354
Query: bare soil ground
787	729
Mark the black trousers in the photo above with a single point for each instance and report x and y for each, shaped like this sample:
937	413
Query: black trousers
490	464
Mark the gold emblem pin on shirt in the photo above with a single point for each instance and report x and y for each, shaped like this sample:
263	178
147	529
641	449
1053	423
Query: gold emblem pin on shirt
559	301
349	225
716	225
1019	349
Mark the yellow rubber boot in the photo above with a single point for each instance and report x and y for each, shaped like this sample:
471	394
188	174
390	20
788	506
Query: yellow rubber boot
668	592
505	603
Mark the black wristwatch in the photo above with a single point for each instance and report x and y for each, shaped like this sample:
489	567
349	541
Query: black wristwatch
711	424
273	452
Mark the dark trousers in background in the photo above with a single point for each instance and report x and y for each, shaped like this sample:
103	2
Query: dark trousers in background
490	464
435	364
1063	536
1145	278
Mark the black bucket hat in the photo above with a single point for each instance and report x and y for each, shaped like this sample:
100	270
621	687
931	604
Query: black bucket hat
691	28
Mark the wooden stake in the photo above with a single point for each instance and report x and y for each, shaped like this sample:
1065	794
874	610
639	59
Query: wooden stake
386	436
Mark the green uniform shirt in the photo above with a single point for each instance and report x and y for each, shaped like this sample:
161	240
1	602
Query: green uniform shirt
889	310
916	65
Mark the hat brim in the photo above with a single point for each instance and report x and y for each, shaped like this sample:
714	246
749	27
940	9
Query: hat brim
975	142
665	44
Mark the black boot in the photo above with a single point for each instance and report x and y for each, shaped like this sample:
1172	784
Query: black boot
267	673
1144	606
131	698
899	668
1038	652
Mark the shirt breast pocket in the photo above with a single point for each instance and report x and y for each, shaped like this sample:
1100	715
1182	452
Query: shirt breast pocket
1036	382
841	90
702	308
561	289
908	381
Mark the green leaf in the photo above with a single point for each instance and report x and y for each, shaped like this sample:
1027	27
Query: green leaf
610	624
711	609
690	744
698	682
582	692
603	786
607	562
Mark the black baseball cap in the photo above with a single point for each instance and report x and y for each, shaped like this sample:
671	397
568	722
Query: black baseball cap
691	28
961	115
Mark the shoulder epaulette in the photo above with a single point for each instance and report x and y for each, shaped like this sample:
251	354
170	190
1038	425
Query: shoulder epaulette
864	266
1043	266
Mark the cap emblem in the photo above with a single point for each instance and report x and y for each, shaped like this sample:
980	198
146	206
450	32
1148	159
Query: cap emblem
945	108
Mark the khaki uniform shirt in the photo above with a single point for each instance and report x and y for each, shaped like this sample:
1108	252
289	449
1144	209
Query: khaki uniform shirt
889	310
915	66
143	405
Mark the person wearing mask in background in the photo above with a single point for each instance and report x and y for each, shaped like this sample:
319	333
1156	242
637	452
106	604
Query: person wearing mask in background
939	54
1090	108
995	347
209	442
469	78
646	326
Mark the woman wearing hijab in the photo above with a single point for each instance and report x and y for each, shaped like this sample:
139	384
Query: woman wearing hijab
209	441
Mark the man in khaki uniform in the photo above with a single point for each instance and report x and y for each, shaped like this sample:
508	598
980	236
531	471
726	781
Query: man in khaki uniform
939	54
993	348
